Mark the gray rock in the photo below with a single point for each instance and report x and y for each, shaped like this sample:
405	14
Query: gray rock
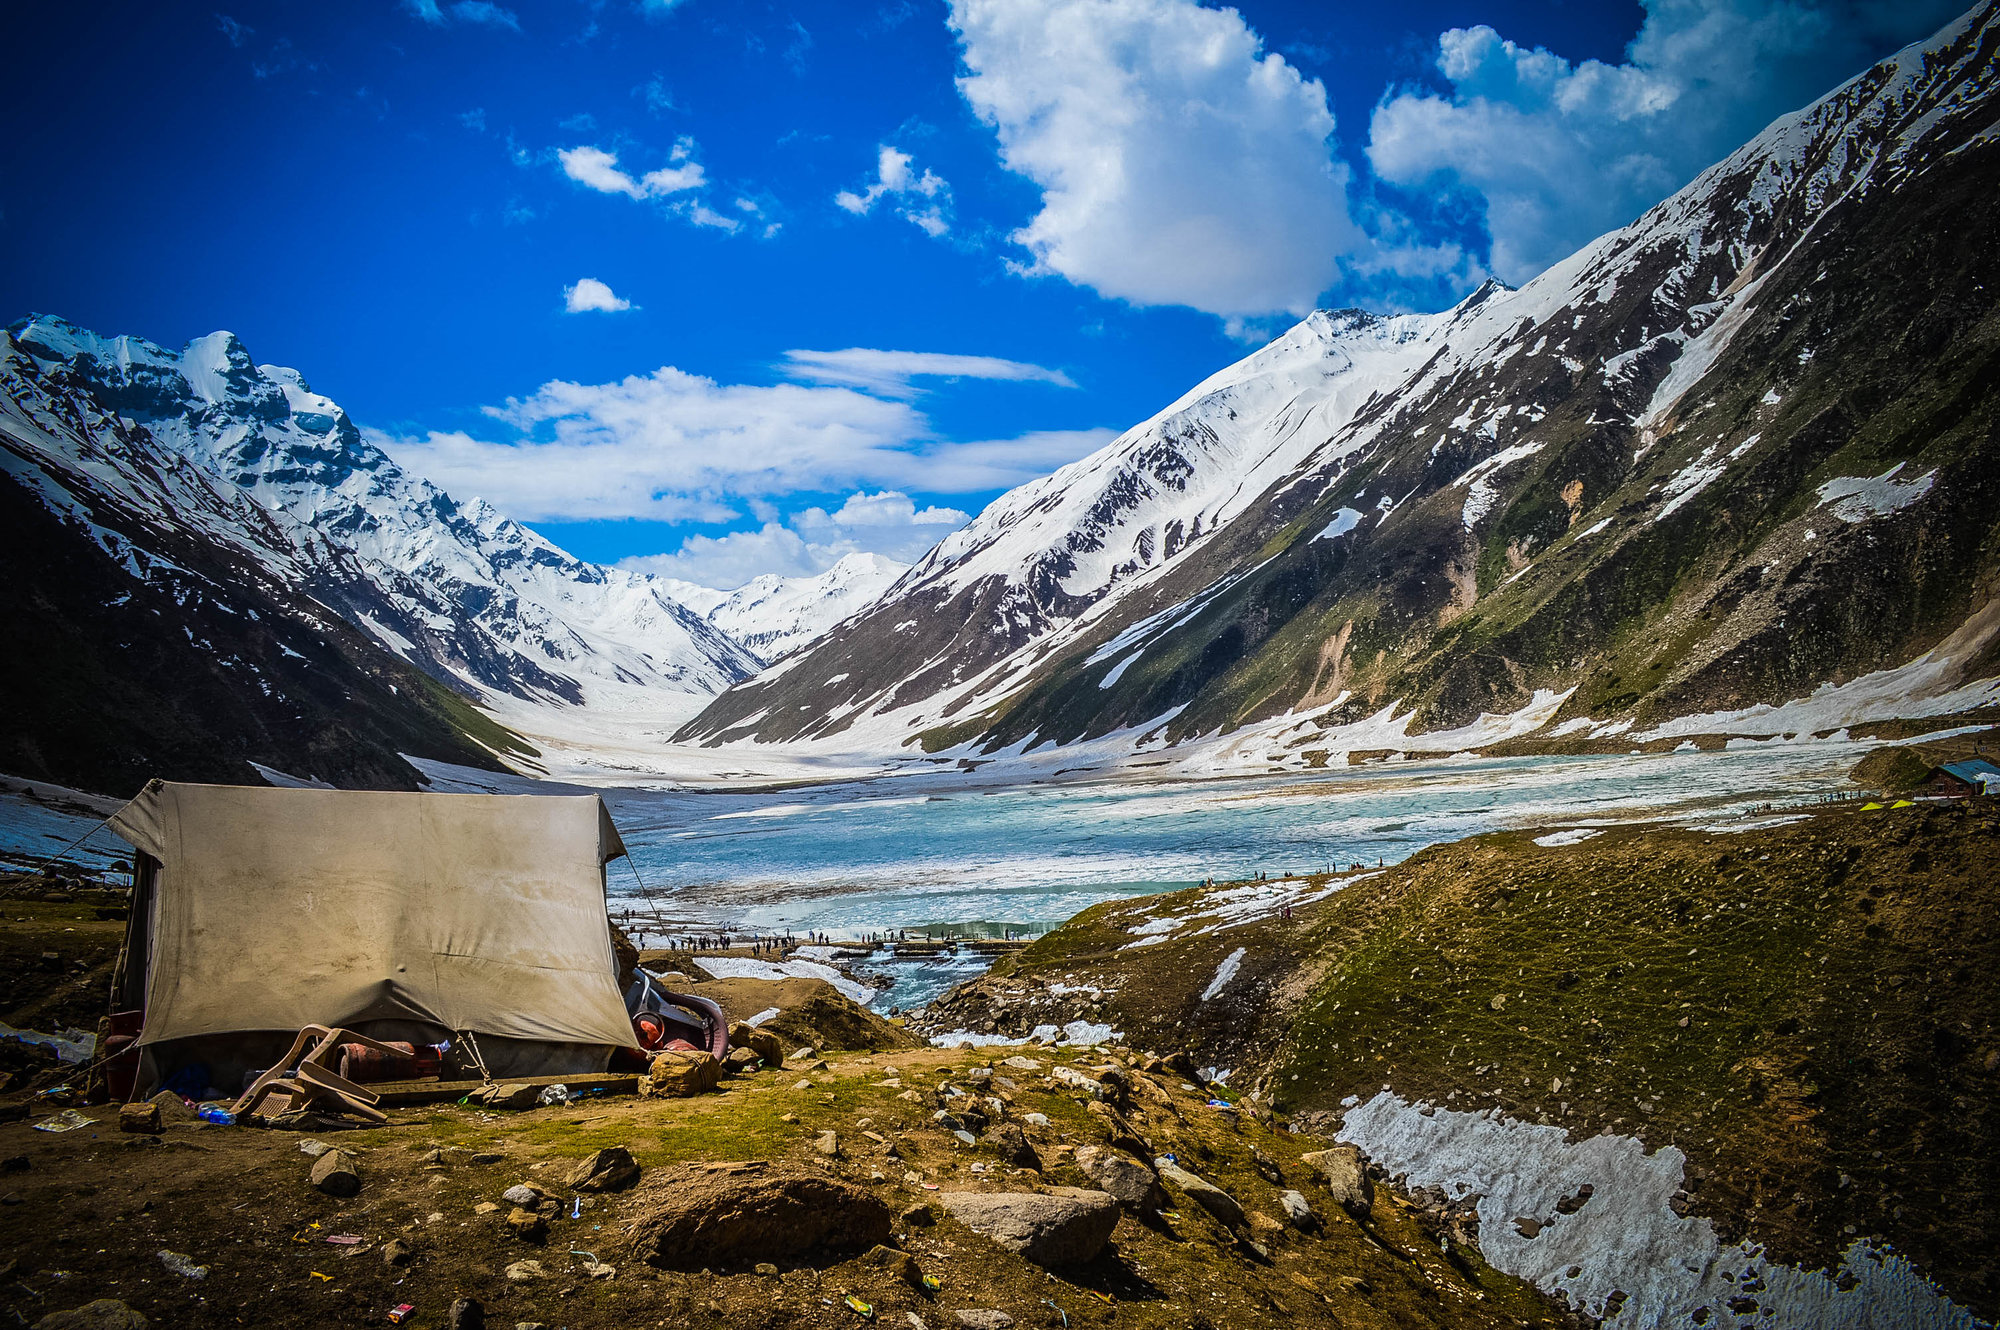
1204	1193
336	1173
1341	1168
1299	1210
610	1169
466	1314
103	1314
1135	1185
1063	1227
523	1195
984	1318
523	1272
1011	1144
828	1144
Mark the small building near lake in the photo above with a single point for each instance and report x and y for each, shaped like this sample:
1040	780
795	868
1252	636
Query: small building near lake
1958	780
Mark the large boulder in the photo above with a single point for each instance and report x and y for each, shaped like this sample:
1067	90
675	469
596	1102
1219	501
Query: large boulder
689	1220
761	1042
1346	1177
1204	1193
1066	1226
610	1169
1135	1185
103	1314
679	1074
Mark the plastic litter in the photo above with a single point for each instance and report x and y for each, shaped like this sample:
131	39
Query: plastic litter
400	1312
217	1114
1050	1302
317	1275
344	1239
860	1308
576	1207
182	1264
932	1283
552	1095
67	1120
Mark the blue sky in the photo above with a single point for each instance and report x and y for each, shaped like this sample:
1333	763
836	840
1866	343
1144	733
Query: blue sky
727	288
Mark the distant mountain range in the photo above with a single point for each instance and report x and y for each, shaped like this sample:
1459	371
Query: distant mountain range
1731	468
774	616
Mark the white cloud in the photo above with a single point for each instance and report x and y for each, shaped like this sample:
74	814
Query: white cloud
922	200
1561	153
598	169
671	446
887	522
1179	163
463	11
888	373
590	294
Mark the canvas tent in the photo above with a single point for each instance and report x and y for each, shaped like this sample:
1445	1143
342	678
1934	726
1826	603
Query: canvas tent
405	916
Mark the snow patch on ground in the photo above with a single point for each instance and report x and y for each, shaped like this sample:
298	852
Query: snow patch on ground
1859	498
1077	1034
733	967
1344	521
1572	836
1224	973
1625	1236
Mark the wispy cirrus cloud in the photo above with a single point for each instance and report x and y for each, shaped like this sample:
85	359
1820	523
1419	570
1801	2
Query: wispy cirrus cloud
479	12
676	447
890	373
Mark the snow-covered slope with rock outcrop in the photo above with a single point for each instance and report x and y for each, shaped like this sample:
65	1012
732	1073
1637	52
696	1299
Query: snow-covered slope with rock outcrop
1594	501
775	616
457	589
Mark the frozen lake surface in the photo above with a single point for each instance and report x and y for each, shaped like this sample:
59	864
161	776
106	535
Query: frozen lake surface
916	851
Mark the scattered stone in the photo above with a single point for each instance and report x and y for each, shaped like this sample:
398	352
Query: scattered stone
919	1216
103	1314
1528	1228
527	1225
1035	1119
466	1314
1133	1184
694	1219
599	1270
519	1094
484	1208
766	1269
740	1060
397	1251
183	1265
1264	1226
487	1157
677	1074
806	1054
336	1173
432	1159
800	1085
610	1169
1267	1167
984	1318
525	1195
1345	1176
828	1144
1203	1193
1066	1226
313	1149
522	1272
761	1042
1008	1141
140	1117
1019	1063
898	1263
965	1137
1299	1211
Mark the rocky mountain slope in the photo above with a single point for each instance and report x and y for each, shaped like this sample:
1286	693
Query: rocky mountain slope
1737	455
160	623
197	484
774	616
1649	1068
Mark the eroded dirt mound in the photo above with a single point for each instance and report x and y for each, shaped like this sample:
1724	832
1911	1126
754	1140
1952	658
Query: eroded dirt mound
737	1215
810	1011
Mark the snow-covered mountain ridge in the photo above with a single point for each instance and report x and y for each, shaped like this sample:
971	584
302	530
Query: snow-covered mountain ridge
457	589
774	616
1603	489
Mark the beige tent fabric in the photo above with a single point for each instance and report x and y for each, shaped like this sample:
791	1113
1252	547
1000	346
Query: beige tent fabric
277	908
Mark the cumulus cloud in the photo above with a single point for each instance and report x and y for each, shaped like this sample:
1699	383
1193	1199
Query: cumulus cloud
590	294
598	169
1560	153
889	373
679	185
463	11
887	523
1179	163
671	446
922	200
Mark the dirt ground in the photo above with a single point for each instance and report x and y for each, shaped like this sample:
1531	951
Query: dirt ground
89	1212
